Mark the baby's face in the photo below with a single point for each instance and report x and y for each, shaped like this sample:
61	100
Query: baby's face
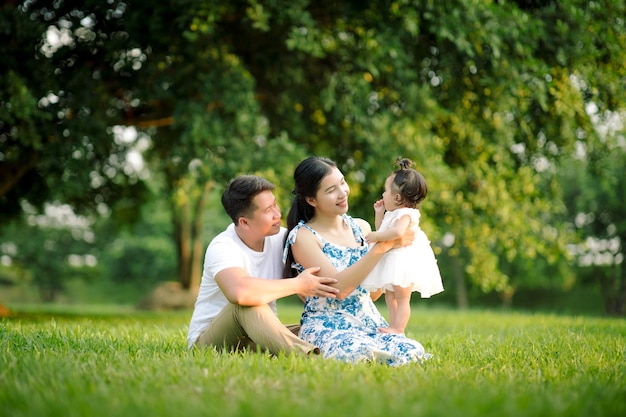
390	195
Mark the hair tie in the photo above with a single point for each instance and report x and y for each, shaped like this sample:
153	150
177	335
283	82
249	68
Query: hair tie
404	163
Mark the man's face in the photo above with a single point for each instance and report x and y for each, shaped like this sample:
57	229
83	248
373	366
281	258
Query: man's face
265	220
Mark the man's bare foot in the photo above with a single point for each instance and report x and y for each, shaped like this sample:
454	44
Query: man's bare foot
390	330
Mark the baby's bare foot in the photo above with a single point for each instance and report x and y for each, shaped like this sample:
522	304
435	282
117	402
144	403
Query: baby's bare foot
390	330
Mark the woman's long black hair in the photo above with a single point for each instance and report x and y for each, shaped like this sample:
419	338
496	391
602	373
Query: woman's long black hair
307	178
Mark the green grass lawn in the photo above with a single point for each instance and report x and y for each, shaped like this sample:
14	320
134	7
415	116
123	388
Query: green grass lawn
119	362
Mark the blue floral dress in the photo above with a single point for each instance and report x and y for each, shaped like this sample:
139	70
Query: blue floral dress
346	330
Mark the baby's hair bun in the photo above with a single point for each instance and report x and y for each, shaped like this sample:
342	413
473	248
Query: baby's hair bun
404	163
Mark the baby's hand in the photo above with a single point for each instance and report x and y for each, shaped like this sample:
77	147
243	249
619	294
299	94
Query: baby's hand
370	238
379	206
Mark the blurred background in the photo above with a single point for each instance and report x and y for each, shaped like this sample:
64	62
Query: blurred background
122	121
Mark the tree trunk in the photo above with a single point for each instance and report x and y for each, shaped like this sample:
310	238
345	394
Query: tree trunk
188	237
507	298
621	298
12	173
462	301
182	239
197	244
613	289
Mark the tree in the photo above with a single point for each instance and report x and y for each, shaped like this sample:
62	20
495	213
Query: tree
486	96
594	186
109	57
49	249
55	115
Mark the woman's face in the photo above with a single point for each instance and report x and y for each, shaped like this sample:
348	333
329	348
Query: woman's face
332	194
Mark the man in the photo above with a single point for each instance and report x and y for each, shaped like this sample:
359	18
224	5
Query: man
241	280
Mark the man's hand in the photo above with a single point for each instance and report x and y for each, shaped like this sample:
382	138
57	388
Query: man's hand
313	286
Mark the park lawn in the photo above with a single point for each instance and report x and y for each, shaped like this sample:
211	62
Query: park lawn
486	363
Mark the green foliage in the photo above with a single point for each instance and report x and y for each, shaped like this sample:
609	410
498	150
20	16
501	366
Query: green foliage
143	259
594	185
482	95
49	250
487	97
59	100
125	363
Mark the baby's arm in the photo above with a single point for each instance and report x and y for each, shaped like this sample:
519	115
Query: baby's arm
379	213
398	229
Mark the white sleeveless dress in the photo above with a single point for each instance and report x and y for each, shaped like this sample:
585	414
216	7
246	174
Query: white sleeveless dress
413	266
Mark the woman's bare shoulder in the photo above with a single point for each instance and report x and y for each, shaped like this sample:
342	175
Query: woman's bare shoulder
364	225
305	236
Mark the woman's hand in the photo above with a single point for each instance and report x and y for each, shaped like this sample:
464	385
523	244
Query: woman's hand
406	239
403	240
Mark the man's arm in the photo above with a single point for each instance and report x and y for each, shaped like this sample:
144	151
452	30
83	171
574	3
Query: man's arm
243	289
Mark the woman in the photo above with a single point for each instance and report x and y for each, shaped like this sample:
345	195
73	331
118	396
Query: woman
322	234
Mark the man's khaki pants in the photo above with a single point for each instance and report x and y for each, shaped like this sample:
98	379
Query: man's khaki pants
238	327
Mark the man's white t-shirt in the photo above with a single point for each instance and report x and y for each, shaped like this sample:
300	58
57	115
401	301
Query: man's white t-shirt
227	250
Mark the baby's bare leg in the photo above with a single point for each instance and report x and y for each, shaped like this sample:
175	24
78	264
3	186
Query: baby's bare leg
400	299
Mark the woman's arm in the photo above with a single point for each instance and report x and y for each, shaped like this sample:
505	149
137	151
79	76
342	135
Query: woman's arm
398	228
307	252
